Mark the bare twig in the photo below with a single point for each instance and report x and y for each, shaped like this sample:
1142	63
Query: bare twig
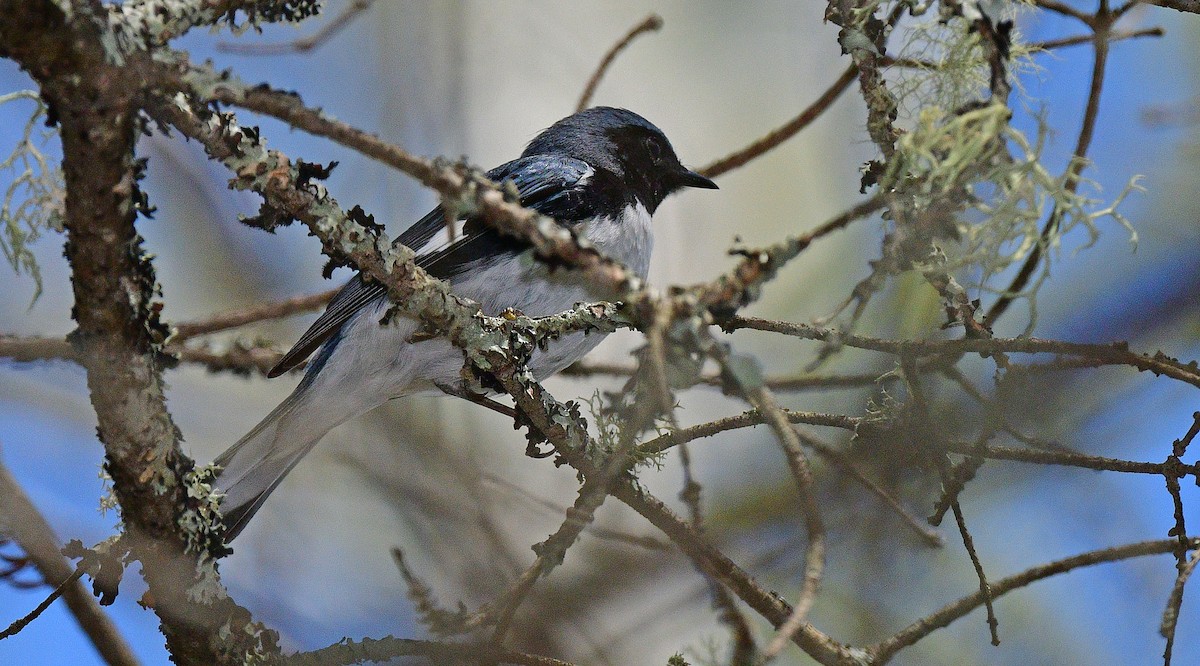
1076	40
886	649
1116	353
22	622
1064	458
786	131
550	554
651	23
642	541
814	557
815	643
1175	469
1170	618
744	647
1065	9
777	384
955	375
21	519
929	536
222	321
237	358
743	420
985	589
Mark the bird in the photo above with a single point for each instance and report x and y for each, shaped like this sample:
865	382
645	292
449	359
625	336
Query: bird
602	172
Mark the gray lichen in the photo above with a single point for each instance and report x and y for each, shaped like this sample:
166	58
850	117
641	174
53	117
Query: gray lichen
34	197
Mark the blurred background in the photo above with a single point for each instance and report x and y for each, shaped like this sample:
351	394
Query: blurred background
447	481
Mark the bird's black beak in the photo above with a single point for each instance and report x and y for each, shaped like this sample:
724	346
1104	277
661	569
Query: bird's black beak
693	179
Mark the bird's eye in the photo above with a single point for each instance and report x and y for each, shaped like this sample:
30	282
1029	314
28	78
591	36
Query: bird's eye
654	147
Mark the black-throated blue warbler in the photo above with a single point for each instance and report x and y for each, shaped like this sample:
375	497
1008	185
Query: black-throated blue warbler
602	171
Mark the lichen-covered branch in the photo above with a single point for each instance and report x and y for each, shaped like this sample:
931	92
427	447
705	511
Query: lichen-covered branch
389	648
95	101
145	24
463	188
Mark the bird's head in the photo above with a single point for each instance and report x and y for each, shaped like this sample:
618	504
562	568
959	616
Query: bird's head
624	148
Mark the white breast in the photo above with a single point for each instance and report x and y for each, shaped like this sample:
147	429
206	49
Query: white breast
628	238
374	363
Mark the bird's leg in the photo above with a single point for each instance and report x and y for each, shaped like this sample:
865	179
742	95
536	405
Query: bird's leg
535	437
479	399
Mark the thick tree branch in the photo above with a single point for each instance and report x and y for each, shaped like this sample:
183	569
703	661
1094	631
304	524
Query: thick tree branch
96	103
153	23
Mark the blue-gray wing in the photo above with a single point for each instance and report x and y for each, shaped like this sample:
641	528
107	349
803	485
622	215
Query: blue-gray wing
553	186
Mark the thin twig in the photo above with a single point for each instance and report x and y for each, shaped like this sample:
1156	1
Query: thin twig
745	419
764	402
237	358
1100	24
1036	47
21	520
550	554
651	23
1065	10
930	536
222	321
769	605
785	131
985	589
20	623
744	647
955	375
1116	353
777	384
886	649
1170	618
642	541
1076	40
1175	469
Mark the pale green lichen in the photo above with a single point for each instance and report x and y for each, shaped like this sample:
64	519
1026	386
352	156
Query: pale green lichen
34	198
108	496
944	62
968	193
1001	193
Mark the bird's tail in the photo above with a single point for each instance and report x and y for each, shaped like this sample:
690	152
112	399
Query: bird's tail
255	465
